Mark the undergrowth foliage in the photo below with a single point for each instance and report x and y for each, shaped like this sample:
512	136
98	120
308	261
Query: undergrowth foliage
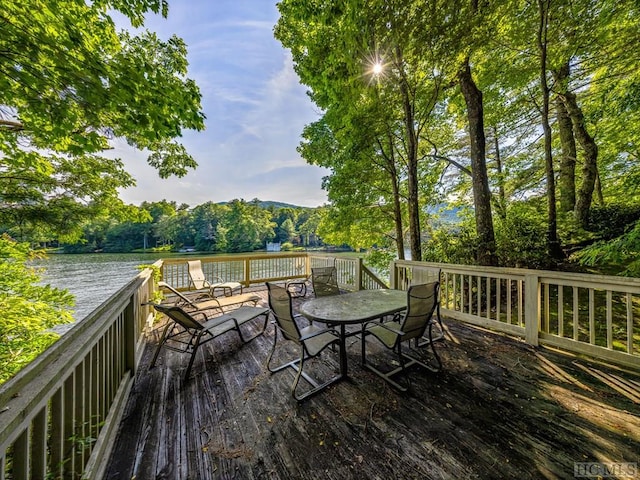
28	310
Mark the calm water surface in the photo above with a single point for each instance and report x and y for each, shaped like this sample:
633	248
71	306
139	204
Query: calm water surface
92	278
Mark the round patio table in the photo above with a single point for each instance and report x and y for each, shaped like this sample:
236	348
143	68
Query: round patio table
353	308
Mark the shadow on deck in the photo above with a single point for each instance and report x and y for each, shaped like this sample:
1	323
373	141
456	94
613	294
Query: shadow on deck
499	409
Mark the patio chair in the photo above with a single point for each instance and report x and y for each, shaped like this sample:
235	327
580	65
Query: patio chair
185	333
200	282
422	301
421	276
298	286
311	340
325	281
223	304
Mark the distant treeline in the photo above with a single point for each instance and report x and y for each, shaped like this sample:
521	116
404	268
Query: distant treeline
236	226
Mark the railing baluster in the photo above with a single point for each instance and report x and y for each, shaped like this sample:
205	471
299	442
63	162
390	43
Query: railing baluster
20	458
629	323
488	291
56	442
68	426
508	293
79	432
498	298
609	319
592	317
39	445
576	314
546	310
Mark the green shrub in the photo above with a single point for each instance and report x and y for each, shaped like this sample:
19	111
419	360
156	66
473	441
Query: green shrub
611	221
521	239
28	310
451	243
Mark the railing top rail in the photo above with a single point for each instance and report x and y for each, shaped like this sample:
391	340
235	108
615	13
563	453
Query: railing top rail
29	388
544	276
236	257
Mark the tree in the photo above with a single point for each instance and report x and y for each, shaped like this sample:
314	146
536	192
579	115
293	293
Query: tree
249	226
69	83
375	126
287	230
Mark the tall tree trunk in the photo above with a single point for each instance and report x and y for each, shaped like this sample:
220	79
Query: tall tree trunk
412	166
501	208
567	173
397	208
486	254
553	244
590	166
599	193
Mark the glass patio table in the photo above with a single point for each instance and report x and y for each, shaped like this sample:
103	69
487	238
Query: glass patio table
353	308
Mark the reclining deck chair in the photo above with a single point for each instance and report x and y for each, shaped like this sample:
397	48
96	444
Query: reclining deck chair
223	304
185	333
422	301
311	339
200	282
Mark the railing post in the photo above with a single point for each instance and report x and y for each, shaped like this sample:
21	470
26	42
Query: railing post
531	308
358	278
247	272
393	281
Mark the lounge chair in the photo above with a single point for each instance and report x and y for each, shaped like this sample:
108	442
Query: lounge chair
311	340
186	332
199	281
422	301
224	304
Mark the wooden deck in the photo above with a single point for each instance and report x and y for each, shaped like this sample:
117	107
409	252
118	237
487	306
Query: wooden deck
500	409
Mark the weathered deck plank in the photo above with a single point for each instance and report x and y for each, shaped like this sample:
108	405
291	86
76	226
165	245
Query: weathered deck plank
500	409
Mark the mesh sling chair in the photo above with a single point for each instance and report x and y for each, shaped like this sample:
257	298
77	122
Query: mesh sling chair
325	281
311	340
298	286
185	333
222	304
200	282
422	301
428	275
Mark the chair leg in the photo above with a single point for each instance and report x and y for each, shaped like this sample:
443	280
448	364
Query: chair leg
433	347
193	355
273	349
294	385
163	338
264	327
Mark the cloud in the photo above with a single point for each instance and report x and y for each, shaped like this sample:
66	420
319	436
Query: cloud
255	107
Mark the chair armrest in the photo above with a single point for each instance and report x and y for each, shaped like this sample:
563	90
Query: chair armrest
385	326
319	332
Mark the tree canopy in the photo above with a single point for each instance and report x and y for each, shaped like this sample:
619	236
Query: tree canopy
69	84
517	110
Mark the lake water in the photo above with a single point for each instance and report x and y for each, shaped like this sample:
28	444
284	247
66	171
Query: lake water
92	278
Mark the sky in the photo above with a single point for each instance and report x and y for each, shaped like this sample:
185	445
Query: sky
255	108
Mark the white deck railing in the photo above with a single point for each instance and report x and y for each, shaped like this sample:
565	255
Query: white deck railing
595	315
59	416
253	269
